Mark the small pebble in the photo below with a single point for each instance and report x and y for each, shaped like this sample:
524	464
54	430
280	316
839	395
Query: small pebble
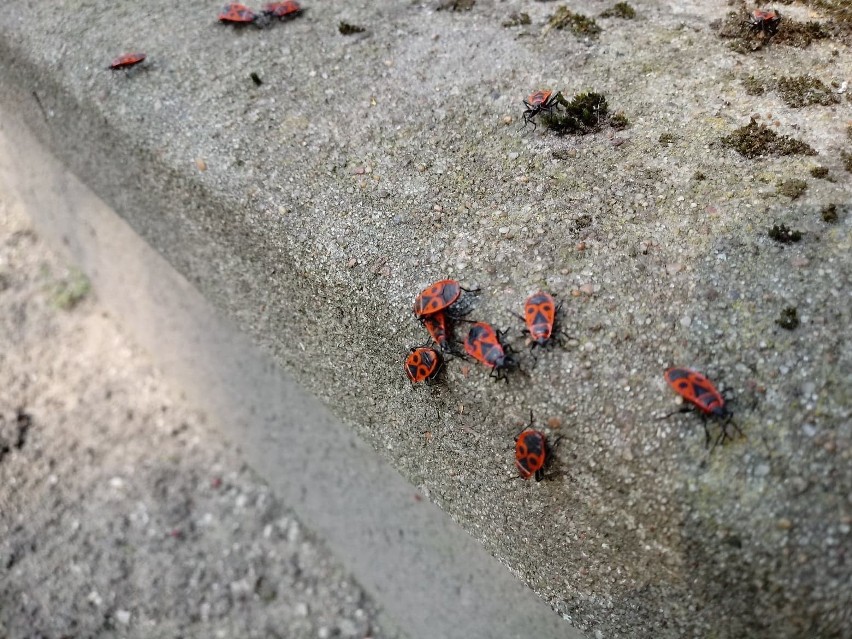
514	155
122	617
201	164
587	288
507	119
581	246
785	524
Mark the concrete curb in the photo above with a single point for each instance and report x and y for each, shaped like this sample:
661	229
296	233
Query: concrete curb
431	577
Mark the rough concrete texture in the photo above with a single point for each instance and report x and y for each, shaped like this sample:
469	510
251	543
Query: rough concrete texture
314	207
122	513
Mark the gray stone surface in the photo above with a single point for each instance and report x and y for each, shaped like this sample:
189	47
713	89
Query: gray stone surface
365	167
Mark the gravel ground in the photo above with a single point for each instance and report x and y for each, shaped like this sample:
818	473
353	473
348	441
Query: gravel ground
121	513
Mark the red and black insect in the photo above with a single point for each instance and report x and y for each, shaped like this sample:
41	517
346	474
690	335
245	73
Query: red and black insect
436	324
765	22
531	453
542	101
237	14
703	396
283	10
127	60
423	364
540	316
483	344
438	297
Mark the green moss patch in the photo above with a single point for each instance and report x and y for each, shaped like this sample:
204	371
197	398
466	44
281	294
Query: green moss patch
793	188
349	29
456	5
620	10
789	318
829	213
564	18
800	34
754	140
805	90
754	86
69	292
783	235
619	121
819	172
517	19
584	113
666	139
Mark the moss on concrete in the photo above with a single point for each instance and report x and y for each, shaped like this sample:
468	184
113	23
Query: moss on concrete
753	85
805	90
620	10
580	24
755	139
829	213
585	113
793	188
783	235
516	19
789	318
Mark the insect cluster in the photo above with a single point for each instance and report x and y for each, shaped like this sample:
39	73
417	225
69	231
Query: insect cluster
234	14
239	14
440	306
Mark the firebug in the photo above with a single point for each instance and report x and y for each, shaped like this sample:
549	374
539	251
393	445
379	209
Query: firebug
531	453
423	364
700	392
483	344
283	10
127	60
542	101
540	316
436	324
439	296
765	22
237	14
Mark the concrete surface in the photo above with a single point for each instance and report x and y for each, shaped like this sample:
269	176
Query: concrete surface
123	513
429	578
312	209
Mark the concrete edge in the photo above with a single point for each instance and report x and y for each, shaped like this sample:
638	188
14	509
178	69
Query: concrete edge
430	576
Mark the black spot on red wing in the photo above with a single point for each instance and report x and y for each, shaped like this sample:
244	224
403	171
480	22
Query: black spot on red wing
683	384
700	390
535	462
534	443
450	292
493	354
674	374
